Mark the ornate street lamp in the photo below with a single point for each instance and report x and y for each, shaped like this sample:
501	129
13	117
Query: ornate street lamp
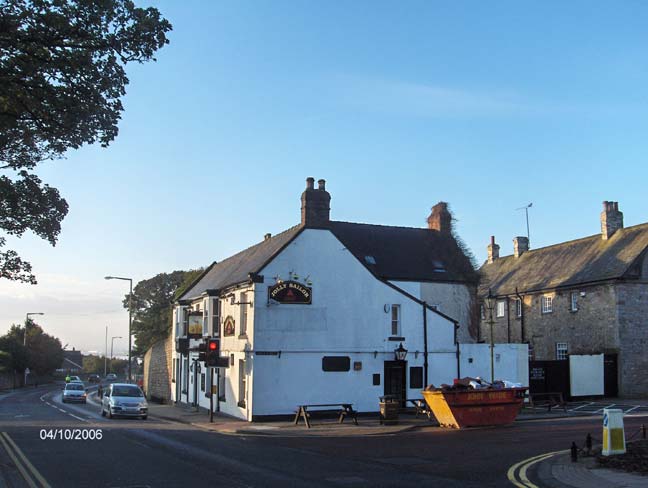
490	304
400	352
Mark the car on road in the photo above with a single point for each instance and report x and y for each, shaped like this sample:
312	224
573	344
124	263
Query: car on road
123	399
74	379
94	378
111	377
74	392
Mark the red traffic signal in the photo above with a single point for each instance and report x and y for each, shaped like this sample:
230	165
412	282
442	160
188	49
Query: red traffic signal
213	352
213	345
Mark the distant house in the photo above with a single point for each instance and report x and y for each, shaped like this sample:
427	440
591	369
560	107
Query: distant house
72	361
316	313
586	296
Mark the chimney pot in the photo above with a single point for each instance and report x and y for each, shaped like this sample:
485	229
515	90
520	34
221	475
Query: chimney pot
493	251
315	204
611	219
267	236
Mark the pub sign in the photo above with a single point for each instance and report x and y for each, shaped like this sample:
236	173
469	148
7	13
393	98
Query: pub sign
291	292
195	324
228	326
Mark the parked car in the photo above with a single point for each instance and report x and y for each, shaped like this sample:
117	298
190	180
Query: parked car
74	392
124	399
94	378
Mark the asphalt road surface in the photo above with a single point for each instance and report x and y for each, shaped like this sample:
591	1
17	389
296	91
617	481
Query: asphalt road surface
156	453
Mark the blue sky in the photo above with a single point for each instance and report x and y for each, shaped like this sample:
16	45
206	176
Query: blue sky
398	105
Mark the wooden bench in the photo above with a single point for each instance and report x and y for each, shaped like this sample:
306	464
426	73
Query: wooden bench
341	409
550	400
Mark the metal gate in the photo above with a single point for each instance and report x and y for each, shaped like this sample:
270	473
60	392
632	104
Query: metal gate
549	377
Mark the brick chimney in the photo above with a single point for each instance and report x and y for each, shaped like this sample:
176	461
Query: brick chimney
611	219
315	204
520	245
493	250
440	218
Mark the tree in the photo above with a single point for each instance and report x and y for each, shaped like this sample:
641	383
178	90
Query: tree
152	302
44	351
62	77
12	344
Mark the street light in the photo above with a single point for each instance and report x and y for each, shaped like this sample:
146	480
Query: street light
490	303
130	317
25	341
111	349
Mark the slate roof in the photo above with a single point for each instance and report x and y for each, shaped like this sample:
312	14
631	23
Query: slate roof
390	253
568	264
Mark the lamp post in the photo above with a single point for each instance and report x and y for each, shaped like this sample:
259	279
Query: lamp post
490	303
111	349
130	317
25	340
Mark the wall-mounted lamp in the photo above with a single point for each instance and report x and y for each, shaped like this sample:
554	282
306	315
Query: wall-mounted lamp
400	352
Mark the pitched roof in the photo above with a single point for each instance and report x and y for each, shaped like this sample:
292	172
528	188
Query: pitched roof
236	268
586	260
390	253
406	253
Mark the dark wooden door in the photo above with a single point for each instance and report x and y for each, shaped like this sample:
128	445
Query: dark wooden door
549	377
611	375
395	379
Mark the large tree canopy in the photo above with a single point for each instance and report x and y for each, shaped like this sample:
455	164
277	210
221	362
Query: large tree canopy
61	81
152	303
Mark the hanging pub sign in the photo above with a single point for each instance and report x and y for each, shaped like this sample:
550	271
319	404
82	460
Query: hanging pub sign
228	326
195	324
291	292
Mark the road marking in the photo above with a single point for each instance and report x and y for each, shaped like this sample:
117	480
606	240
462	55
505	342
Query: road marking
21	468
25	467
79	418
523	481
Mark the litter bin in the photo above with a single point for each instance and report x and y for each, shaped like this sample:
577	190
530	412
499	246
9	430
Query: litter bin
389	407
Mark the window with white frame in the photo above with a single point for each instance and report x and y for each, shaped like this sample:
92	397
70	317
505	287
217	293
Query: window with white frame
562	350
518	307
241	392
215	317
547	304
573	301
395	320
501	308
243	313
482	311
205	311
221	385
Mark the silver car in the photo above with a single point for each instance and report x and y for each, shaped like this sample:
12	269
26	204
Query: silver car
125	400
74	392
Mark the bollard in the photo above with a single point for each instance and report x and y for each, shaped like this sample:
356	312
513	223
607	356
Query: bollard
574	452
643	431
613	433
588	443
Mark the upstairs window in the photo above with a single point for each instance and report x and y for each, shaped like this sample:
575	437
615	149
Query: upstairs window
547	304
215	317
518	308
501	308
205	311
573	301
244	313
562	350
395	320
482	311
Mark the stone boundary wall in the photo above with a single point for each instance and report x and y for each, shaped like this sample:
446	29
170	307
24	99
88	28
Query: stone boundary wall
157	371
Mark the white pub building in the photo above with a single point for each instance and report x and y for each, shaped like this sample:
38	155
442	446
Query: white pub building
315	314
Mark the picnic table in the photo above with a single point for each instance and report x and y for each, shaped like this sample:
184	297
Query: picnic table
549	400
421	407
342	409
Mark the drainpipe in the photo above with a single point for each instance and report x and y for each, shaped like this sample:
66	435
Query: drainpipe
456	328
517	294
425	345
508	320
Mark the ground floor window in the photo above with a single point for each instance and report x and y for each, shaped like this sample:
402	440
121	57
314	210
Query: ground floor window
561	350
185	376
221	384
241	392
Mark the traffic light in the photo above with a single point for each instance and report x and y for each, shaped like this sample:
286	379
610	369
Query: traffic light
213	352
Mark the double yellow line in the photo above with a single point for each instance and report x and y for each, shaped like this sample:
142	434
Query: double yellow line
31	475
517	474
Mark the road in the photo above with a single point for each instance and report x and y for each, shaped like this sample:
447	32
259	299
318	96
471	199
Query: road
157	453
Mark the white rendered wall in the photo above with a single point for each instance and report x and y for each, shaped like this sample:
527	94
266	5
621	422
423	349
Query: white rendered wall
347	318
586	375
511	362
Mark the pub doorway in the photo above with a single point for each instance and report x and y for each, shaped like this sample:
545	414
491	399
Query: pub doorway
395	379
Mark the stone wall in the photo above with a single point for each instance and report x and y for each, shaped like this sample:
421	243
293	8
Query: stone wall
157	371
591	329
633	334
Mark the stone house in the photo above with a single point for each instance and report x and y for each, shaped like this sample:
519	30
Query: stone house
316	313
586	296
